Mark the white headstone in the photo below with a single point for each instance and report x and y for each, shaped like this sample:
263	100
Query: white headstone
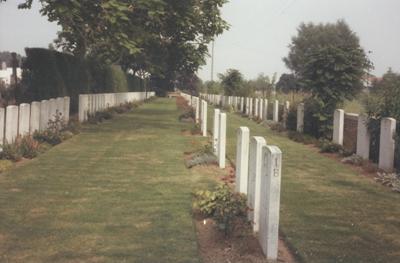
275	111
60	107
256	107
265	109
35	117
24	119
44	115
387	144
254	187
250	107
216	130
241	104
2	123
363	137
338	125
204	118
261	108
83	107
52	109
300	117
222	140
11	129
197	110
270	201
242	159
67	101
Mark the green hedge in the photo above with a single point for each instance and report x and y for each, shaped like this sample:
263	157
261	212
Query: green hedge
49	74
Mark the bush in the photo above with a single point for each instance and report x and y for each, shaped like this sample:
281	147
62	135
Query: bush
317	122
54	133
330	147
11	152
223	205
196	129
74	126
277	126
301	137
28	147
187	116
291	119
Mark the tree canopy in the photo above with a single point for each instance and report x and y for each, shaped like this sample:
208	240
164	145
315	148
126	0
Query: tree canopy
166	38
232	82
329	62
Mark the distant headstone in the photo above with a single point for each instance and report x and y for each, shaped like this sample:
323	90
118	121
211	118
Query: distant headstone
204	118
275	112
11	129
242	159
363	137
338	126
44	115
300	117
222	140
2	123
387	144
66	108
216	131
35	117
265	109
24	119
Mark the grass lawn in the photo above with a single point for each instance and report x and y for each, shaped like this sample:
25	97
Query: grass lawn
329	213
117	192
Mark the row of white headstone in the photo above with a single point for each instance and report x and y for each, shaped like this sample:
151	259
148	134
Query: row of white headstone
26	118
91	103
258	175
258	107
387	142
253	107
200	108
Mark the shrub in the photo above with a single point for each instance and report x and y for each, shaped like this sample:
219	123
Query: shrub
195	129
301	137
187	116
316	124
11	152
48	136
228	108
74	126
330	147
223	205
200	159
28	147
291	119
277	126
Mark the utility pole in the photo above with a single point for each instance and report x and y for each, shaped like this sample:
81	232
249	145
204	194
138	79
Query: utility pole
212	61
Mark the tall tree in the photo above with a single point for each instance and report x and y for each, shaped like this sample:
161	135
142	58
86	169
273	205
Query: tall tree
167	38
329	62
232	82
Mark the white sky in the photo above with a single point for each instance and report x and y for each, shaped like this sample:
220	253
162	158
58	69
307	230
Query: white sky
259	35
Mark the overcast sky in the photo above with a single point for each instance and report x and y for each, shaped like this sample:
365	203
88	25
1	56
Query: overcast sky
260	31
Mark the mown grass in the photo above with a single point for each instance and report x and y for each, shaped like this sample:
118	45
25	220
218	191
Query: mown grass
329	213
118	192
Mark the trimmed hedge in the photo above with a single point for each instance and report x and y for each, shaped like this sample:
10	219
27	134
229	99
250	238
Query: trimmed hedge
49	74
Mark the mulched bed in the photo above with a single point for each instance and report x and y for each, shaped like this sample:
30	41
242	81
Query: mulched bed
240	247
